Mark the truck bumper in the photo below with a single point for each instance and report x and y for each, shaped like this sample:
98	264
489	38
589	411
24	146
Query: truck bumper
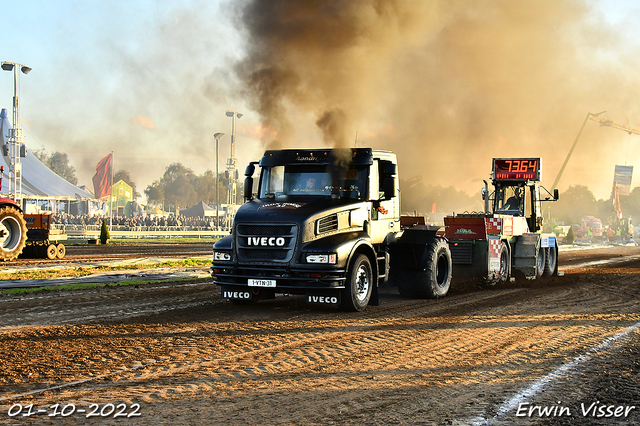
293	281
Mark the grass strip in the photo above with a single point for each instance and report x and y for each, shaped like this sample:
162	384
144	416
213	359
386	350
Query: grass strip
83	271
89	286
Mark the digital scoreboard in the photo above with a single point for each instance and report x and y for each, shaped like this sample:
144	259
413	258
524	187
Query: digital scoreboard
516	169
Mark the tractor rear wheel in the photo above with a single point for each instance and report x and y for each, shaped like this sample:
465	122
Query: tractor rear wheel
13	233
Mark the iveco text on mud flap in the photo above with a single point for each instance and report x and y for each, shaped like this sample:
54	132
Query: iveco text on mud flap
325	224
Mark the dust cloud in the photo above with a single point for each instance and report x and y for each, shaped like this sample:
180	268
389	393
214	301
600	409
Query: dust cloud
447	85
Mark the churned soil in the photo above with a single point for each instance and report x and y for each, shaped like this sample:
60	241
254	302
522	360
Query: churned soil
532	352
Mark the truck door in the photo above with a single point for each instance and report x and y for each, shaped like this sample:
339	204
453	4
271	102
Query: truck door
385	212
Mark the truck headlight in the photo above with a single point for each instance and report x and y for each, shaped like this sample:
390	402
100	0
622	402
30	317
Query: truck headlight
331	258
221	255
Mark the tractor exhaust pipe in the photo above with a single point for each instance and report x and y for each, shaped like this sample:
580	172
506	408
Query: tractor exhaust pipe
485	197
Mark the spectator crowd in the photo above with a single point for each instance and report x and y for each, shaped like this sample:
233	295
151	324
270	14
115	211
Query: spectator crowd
155	222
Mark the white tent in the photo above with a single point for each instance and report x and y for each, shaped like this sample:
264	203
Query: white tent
37	179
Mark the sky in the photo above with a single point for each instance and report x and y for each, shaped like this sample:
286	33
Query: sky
447	85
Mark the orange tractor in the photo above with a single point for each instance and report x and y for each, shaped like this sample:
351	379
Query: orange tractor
29	235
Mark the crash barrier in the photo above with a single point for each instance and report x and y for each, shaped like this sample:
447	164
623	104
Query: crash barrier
88	232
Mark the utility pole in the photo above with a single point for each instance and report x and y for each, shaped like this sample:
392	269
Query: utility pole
232	166
217	137
16	148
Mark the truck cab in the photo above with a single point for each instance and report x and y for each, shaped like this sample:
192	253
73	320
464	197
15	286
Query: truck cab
318	224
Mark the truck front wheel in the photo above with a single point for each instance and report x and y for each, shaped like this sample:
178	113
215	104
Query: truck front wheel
13	233
356	295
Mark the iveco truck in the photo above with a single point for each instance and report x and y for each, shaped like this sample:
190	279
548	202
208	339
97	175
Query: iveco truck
326	224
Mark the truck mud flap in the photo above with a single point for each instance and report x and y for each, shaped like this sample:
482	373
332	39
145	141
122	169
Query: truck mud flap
235	293
323	298
410	250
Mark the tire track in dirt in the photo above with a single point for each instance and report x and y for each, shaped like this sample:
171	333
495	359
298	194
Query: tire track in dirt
289	340
413	358
417	345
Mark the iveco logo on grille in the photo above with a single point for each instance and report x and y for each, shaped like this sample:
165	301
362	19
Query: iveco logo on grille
265	241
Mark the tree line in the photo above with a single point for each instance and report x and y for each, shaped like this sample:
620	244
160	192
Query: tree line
58	162
180	187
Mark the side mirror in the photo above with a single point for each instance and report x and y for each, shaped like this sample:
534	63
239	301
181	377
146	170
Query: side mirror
556	194
248	181
248	188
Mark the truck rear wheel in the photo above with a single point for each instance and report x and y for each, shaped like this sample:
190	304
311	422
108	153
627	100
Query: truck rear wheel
356	295
13	233
432	282
541	262
551	257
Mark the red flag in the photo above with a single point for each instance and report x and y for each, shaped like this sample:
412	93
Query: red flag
102	179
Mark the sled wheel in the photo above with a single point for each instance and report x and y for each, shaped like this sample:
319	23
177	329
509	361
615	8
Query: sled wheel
51	252
61	251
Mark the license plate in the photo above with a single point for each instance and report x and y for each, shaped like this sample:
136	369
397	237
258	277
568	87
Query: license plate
261	283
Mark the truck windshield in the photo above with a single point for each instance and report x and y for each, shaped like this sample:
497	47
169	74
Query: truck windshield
306	180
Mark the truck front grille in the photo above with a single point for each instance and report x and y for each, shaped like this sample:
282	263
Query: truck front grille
328	223
257	254
265	243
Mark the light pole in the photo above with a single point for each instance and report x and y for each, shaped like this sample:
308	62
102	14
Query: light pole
15	135
217	136
231	163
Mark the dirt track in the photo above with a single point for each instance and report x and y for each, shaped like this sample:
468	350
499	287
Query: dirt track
474	357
